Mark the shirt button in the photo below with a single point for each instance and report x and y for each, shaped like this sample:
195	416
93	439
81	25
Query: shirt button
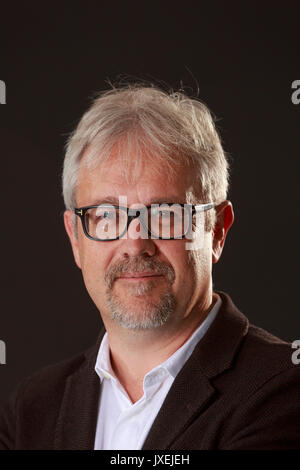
106	375
148	380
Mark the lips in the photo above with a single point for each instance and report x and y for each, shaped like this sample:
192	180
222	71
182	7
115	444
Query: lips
139	275
139	269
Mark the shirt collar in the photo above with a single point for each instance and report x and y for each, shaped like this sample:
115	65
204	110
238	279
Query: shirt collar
103	365
173	364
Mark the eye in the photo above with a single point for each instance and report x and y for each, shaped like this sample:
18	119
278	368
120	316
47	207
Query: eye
165	214
105	215
160	212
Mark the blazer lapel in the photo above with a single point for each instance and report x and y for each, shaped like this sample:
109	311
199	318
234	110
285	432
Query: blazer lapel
76	424
192	390
185	399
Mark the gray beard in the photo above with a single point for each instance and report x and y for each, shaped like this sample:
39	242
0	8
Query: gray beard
147	317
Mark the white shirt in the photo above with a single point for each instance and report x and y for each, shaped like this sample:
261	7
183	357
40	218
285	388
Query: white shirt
123	424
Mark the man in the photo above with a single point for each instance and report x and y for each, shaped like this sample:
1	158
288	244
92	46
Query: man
178	366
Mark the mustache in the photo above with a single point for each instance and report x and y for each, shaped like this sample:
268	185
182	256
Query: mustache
139	264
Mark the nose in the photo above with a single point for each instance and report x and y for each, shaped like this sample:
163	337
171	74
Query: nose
137	241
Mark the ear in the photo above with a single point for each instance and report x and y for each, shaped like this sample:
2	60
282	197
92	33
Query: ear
224	220
70	229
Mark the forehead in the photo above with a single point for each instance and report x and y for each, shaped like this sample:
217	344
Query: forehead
139	180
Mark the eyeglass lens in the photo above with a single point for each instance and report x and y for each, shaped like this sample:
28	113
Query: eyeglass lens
165	221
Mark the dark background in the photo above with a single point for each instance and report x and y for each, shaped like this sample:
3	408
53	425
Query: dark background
243	57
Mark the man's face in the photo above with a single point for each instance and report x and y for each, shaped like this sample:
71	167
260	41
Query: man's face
140	282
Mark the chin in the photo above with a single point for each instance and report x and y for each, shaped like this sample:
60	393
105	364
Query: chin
147	313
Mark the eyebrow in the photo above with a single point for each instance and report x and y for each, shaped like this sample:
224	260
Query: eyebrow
115	201
107	200
167	200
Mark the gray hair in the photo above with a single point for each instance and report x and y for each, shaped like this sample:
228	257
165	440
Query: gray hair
169	128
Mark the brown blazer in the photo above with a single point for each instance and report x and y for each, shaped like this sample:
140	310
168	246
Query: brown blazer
238	390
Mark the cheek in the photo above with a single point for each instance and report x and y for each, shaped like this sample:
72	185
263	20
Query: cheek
180	259
202	260
94	262
193	267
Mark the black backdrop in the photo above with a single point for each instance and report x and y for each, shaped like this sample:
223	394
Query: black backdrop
243	57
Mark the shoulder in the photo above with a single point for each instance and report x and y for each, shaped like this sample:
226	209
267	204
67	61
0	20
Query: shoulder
251	356
52	377
266	359
263	362
264	392
45	388
266	350
262	344
29	417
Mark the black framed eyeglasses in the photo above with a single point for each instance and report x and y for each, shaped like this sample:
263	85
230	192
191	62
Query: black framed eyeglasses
107	222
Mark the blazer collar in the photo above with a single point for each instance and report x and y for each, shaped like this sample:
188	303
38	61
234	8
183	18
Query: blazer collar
190	391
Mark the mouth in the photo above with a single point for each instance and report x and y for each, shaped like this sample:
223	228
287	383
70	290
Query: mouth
142	276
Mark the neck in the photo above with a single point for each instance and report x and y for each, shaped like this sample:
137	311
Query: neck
134	353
